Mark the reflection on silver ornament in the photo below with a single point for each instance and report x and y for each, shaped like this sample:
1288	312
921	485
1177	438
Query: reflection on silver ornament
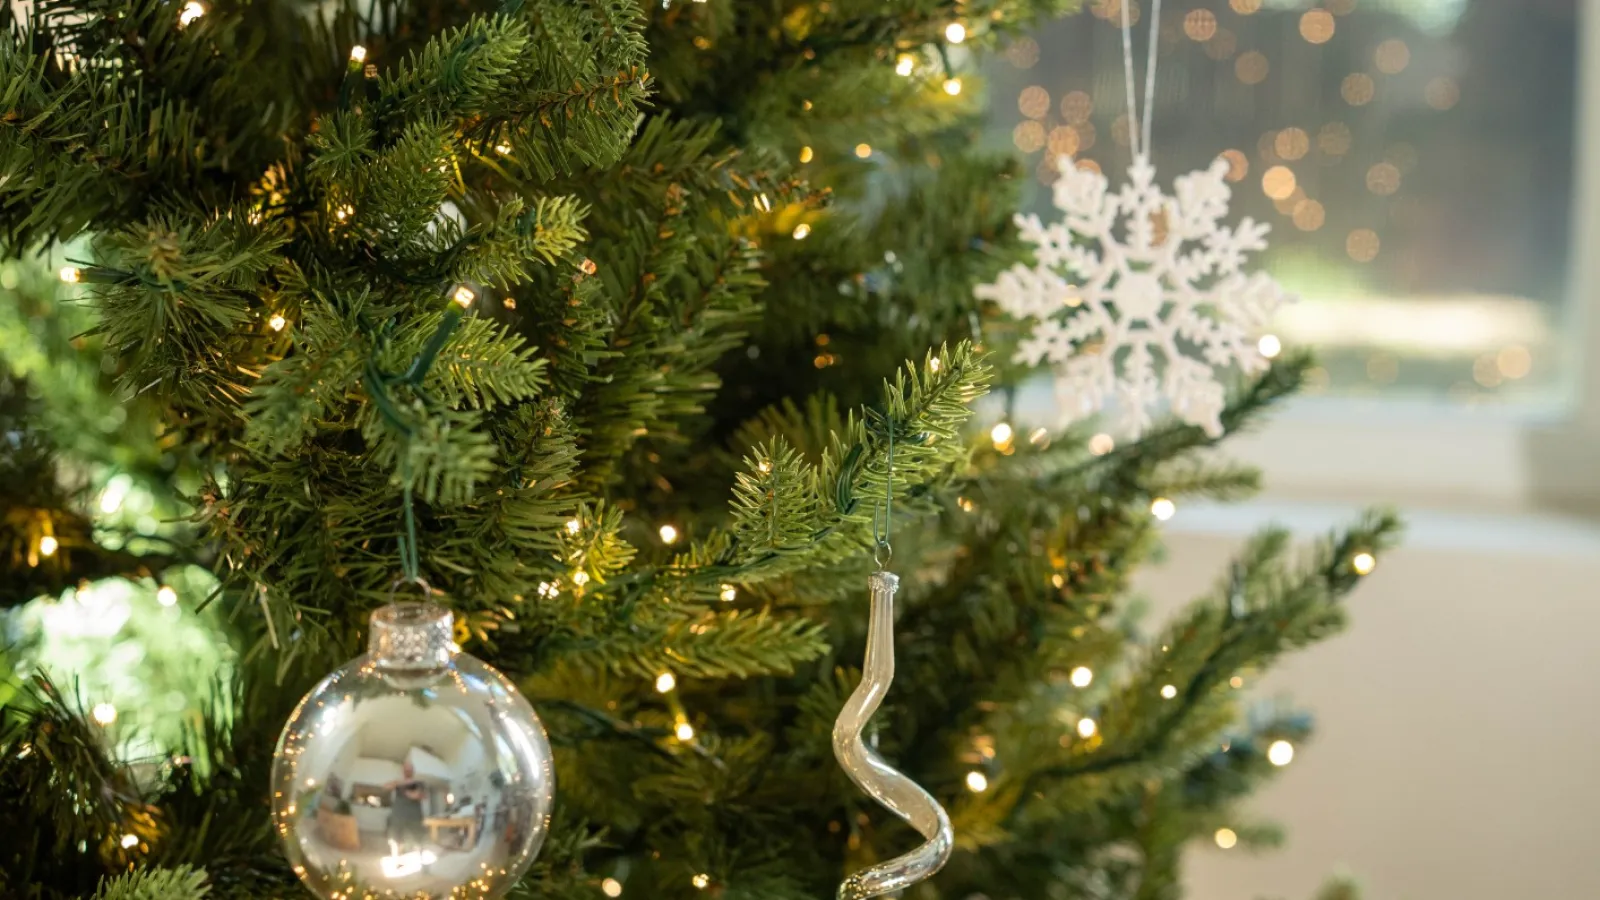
414	771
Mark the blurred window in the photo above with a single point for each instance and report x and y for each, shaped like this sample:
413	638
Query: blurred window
1414	158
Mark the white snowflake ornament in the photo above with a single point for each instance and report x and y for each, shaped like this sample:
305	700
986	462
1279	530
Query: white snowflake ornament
1147	316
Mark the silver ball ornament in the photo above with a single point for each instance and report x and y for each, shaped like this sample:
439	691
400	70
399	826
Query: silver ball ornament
414	771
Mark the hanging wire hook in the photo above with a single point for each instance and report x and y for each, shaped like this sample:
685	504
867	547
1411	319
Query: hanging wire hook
883	551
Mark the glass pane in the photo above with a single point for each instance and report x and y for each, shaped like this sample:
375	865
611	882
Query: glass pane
1414	158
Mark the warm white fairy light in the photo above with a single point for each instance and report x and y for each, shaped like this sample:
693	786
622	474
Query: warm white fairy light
580	578
70	274
1101	444
1081	676
1280	753
611	887
1169	691
344	212
806	155
1270	346
277	322
669	534
684	731
1087	727
573	526
129	841
1363	563
934	364
1226	838
665	682
977	782
1162	508
729	592
104	713
1000	434
952	86
1236	682
503	148
549	589
166	596
48	546
463	295
701	881
191	11
863	151
955	32
358	53
905	65
802	231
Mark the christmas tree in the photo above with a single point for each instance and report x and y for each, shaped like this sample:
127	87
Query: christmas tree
605	320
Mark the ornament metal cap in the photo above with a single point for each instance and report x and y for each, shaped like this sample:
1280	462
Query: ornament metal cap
887	582
411	636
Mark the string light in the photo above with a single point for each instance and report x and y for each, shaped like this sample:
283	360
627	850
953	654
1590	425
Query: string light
806	155
503	148
729	592
802	231
1236	682
1168	691
1363	563
48	546
955	32
104	713
611	887
191	11
863	151
1087	727
1226	838
573	526
952	86
343	213
1101	444
463	295
70	274
684	731
1081	676
358	53
166	596
129	841
1270	346
1280	753
665	682
701	881
277	322
1000	435
977	782
905	65
116	491
580	578
1163	509
934	364
669	534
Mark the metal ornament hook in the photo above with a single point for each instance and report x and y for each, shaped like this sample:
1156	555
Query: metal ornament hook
883	551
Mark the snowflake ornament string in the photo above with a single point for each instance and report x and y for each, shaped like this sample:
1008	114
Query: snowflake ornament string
1147	315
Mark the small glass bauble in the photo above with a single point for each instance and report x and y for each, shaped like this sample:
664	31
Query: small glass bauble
415	771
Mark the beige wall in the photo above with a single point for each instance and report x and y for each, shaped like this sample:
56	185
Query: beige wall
1458	746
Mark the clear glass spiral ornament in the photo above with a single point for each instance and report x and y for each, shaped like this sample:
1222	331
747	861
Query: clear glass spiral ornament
414	771
899	794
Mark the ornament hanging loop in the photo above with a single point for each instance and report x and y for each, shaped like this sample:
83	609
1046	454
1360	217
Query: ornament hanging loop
882	550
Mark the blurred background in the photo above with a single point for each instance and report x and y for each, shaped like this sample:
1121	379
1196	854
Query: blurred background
1427	170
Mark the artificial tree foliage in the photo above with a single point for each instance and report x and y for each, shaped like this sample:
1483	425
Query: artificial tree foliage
618	308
